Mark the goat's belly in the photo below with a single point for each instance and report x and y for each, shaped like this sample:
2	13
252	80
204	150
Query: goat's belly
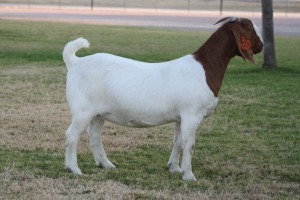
137	121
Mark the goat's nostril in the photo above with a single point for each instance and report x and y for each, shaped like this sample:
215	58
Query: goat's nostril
260	46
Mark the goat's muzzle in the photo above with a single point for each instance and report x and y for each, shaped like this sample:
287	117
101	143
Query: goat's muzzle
258	47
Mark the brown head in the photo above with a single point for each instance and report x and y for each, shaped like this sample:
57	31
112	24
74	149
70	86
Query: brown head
236	36
247	36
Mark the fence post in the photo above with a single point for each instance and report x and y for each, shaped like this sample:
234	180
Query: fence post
221	6
92	4
286	7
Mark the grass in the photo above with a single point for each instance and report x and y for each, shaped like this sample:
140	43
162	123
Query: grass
249	148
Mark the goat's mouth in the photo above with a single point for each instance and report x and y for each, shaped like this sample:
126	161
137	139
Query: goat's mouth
258	48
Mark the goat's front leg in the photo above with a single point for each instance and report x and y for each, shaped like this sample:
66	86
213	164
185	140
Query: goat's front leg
188	129
94	131
173	163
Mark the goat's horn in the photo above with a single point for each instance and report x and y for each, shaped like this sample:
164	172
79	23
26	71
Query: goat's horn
228	19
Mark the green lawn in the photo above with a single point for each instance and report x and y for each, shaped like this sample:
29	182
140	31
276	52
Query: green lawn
249	148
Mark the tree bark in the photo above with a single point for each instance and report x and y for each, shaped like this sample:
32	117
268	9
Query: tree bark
268	35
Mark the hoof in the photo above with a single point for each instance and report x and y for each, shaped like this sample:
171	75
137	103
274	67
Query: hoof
68	170
107	165
174	168
188	177
75	171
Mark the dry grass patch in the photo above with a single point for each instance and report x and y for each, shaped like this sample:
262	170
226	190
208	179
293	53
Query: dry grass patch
24	185
35	115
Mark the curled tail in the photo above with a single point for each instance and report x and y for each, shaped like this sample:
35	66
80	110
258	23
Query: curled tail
71	48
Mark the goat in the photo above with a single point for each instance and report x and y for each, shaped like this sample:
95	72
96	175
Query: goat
137	94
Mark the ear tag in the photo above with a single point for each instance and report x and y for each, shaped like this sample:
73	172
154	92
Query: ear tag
245	44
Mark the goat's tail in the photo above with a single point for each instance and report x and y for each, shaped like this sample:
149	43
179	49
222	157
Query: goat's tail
71	48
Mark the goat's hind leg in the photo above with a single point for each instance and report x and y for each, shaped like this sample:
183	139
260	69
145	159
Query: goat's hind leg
94	131
77	127
173	163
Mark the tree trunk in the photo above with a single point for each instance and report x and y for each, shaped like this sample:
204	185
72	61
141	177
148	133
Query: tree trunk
268	35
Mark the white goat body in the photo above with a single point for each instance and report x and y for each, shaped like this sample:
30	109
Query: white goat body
137	94
134	94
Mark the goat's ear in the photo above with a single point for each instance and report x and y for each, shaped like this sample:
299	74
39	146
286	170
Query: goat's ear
244	45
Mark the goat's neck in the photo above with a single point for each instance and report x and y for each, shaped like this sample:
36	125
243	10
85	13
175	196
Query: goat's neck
215	55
